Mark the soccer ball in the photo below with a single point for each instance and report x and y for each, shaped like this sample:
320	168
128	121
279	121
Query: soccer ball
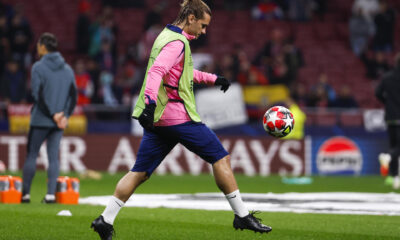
278	121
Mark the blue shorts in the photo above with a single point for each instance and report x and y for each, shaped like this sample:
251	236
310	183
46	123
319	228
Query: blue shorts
157	143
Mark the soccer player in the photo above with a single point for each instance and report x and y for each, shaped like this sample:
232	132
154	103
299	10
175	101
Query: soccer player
54	92
167	111
387	92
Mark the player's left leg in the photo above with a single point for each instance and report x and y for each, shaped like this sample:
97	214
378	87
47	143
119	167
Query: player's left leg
199	139
227	184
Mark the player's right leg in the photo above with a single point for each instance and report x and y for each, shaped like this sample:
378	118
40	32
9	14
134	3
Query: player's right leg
103	225
36	137
394	140
153	149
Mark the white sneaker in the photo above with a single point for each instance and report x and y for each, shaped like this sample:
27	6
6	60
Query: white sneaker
26	198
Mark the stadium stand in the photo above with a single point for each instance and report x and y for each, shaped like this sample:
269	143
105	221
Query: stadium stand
324	41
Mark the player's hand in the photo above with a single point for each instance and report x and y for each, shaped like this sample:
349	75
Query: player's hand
57	116
223	82
62	123
146	119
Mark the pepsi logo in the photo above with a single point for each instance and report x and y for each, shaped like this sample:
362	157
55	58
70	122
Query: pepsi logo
339	154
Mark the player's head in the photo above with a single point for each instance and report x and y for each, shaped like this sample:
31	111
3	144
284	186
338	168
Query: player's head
47	43
194	17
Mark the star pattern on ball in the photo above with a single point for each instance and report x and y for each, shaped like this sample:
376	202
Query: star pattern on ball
278	121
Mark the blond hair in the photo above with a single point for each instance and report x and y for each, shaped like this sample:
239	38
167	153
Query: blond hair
195	7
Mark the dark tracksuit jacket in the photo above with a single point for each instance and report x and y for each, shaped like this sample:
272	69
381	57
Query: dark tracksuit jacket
53	89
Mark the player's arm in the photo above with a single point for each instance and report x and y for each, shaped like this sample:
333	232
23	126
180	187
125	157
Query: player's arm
212	79
167	58
38	94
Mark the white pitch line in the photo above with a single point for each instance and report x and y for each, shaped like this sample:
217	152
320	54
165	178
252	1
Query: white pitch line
329	203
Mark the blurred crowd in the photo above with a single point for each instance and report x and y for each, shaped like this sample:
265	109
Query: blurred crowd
15	58
371	29
105	75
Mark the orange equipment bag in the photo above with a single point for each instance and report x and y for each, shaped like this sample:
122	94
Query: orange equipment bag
10	189
67	190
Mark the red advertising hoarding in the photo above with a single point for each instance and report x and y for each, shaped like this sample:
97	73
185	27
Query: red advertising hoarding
250	156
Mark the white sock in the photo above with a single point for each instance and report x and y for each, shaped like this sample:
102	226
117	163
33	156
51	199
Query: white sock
50	197
237	205
112	209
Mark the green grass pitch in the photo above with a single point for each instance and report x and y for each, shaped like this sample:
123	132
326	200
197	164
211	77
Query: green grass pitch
39	221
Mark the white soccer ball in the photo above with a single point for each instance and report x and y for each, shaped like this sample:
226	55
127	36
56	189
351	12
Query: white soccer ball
278	121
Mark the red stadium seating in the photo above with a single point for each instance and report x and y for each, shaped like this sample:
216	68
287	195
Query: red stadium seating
325	44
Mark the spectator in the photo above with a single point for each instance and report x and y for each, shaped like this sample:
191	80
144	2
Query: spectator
146	42
104	29
154	16
13	83
293	58
224	65
106	80
368	8
384	23
4	43
105	58
360	31
300	10
6	10
83	83
375	66
93	70
82	30
250	75
320	8
128	81
266	10
130	74
20	37
322	94
345	99
318	97
234	5
279	72
299	94
271	49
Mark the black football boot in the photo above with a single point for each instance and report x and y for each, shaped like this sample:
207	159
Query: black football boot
105	230
251	223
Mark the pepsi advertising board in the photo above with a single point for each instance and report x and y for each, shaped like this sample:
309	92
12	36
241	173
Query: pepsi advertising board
346	155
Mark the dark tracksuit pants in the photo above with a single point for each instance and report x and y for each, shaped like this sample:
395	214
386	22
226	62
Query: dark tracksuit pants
394	140
37	135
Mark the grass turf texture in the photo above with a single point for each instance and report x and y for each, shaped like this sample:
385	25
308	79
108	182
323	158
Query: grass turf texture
39	221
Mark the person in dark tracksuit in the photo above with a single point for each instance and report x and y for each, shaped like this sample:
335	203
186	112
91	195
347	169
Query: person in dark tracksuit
388	91
54	93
